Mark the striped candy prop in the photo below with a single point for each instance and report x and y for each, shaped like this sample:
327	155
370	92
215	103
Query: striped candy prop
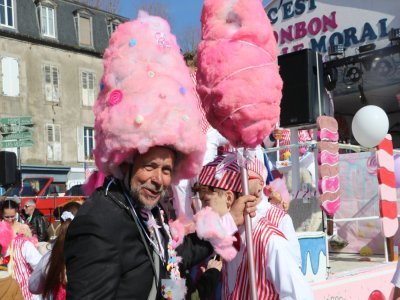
387	187
328	163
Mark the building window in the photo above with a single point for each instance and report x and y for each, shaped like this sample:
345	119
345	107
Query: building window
10	76
7	13
51	83
53	142
86	143
88	140
87	83
83	25
47	21
112	25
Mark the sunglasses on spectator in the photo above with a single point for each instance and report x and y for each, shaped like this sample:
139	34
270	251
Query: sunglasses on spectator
26	206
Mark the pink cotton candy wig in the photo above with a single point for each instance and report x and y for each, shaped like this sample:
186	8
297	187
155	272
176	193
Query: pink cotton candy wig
146	99
6	236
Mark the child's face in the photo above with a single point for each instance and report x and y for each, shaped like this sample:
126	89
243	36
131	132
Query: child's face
255	186
215	198
10	215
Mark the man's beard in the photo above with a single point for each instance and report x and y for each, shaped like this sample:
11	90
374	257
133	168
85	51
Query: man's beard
136	196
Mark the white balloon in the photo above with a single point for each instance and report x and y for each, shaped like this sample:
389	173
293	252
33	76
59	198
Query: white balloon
370	125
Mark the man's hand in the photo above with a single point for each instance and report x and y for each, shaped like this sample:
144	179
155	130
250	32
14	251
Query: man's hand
244	204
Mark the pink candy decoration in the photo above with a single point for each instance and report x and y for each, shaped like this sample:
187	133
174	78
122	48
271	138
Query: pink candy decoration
144	119
238	78
115	97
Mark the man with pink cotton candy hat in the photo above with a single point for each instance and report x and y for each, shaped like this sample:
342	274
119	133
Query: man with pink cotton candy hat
120	244
280	276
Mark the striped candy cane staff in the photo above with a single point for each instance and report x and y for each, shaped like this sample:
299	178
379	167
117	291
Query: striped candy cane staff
328	161
387	192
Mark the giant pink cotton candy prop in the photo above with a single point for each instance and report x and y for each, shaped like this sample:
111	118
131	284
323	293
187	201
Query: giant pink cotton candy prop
238	79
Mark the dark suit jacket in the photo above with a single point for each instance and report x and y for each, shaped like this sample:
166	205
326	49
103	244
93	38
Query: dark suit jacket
105	255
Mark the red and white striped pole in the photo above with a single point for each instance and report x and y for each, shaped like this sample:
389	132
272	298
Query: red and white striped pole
248	230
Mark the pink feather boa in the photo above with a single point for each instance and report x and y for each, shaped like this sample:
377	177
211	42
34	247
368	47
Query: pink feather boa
209	227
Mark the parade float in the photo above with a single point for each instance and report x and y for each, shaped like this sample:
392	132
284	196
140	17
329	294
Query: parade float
345	186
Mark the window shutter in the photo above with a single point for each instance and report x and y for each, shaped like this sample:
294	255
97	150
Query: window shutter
47	74
91	97
57	133
85	37
47	83
10	70
43	19
50	152
85	92
90	81
51	21
84	80
85	97
57	151
80	144
91	89
56	96
50	133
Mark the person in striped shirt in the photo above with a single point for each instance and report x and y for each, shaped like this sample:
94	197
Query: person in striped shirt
22	257
277	271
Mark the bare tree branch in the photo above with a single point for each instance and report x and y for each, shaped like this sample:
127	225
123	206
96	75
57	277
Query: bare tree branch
155	8
190	39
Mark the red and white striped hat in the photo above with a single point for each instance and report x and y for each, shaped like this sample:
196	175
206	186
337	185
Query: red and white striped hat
254	165
229	178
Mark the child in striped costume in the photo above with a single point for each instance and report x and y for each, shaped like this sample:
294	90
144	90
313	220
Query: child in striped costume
23	259
277	271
